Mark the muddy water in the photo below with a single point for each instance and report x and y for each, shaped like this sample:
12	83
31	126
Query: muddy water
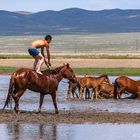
70	131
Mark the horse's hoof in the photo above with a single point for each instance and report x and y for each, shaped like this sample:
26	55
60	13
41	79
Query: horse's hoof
39	110
57	112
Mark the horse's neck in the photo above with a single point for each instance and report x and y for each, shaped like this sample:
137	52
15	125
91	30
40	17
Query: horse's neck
101	79
59	76
58	73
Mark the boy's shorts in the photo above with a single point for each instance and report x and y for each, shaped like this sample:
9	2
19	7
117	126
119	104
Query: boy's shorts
33	51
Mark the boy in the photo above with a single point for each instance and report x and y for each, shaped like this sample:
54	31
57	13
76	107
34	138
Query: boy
40	56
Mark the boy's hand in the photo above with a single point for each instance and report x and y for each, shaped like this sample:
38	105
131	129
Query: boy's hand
49	63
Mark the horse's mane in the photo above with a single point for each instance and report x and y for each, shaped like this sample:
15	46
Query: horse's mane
103	75
52	71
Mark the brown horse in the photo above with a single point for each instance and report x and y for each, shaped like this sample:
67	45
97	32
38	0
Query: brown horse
47	83
125	84
106	90
73	86
92	82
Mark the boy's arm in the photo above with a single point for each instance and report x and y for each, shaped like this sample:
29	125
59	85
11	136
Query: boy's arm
42	52
48	55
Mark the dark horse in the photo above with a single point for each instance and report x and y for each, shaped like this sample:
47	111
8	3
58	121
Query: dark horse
125	84
47	83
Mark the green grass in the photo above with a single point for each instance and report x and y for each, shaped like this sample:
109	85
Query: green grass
108	71
7	70
90	71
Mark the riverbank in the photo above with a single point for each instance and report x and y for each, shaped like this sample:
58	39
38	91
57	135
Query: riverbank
73	117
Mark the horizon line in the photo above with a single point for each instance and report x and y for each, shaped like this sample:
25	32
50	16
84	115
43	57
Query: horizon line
67	9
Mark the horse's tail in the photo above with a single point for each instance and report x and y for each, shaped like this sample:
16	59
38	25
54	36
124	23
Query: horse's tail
10	92
115	89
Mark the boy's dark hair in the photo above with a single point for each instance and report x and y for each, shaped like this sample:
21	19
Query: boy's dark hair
48	37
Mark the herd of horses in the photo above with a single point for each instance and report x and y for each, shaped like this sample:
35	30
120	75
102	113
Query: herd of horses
101	87
87	87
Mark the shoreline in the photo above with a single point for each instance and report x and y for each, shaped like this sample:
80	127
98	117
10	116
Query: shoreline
72	117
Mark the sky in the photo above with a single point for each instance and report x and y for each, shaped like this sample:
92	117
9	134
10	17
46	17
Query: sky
43	5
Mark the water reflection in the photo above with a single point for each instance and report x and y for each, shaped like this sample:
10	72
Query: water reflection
29	131
70	131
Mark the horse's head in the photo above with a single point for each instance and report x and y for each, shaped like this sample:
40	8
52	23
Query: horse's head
68	73
104	78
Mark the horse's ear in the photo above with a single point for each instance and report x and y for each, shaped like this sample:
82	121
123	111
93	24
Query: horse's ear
68	65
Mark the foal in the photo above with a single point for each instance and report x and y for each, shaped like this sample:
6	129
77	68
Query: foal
106	90
92	82
73	86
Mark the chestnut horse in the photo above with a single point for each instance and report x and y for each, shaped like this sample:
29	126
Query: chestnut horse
106	90
92	82
125	84
47	83
73	86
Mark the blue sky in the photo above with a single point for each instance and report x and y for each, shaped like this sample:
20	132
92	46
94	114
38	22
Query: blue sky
42	5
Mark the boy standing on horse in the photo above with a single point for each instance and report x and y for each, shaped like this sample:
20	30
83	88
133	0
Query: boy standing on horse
40	56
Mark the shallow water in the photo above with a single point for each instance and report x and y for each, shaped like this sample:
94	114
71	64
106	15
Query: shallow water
30	100
86	131
70	132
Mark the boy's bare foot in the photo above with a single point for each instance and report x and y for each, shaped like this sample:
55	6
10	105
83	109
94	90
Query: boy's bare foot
39	72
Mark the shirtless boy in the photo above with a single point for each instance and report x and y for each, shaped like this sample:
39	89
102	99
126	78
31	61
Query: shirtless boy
40	56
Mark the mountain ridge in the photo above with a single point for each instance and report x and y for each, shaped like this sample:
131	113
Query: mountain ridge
69	21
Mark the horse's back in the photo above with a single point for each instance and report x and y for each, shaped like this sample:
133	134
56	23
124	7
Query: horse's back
20	70
125	79
130	85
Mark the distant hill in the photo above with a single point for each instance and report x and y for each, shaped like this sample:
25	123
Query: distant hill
69	21
23	12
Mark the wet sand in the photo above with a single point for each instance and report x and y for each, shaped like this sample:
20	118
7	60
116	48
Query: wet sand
71	117
84	63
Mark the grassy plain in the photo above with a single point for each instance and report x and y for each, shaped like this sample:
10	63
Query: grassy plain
84	44
108	45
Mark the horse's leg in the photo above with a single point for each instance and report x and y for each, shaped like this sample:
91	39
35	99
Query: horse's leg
88	93
76	94
68	94
41	101
73	93
120	90
92	94
96	93
16	99
81	92
54	102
